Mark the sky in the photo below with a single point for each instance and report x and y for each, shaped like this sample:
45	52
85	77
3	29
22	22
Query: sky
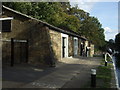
106	11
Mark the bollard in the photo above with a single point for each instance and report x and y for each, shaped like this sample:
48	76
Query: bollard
105	63
93	77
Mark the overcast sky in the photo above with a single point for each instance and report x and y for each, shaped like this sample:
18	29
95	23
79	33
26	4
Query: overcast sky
106	11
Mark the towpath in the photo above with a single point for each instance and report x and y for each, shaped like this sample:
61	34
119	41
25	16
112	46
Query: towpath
62	76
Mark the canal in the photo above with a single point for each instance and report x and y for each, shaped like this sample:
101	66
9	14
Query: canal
116	59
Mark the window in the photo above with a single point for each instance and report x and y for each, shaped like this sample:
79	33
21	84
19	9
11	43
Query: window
6	25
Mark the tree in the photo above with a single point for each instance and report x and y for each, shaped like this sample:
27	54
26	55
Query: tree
62	15
54	13
91	28
117	42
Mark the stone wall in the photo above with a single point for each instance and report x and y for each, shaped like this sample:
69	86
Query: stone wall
79	46
91	50
56	43
44	42
35	32
70	46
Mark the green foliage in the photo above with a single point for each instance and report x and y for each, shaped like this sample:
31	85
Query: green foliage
104	75
117	42
91	28
111	45
70	22
54	13
62	15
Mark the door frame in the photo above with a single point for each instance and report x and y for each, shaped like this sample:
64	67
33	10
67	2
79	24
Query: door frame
66	51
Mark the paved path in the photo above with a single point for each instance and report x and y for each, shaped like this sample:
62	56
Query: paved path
64	74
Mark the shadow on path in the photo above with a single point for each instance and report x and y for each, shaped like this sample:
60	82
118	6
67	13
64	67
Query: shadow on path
25	75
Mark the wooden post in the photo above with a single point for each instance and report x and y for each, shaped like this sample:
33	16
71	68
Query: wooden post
12	52
27	48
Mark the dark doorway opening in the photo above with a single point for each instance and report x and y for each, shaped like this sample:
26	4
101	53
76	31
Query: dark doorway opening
63	47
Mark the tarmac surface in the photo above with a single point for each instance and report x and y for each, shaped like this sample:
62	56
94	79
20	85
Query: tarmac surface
68	73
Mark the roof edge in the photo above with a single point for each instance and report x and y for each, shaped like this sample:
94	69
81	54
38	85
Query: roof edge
63	31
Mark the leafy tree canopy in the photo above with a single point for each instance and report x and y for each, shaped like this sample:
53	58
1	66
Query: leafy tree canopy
62	15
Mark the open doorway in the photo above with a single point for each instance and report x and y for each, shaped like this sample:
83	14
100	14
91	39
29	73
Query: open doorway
64	45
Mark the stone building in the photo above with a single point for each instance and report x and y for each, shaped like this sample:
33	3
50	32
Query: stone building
46	43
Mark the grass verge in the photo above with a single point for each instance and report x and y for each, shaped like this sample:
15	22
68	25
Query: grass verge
104	76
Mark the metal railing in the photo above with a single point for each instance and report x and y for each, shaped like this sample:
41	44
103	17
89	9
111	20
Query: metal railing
116	77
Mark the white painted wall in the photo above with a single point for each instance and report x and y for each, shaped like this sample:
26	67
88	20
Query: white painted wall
66	44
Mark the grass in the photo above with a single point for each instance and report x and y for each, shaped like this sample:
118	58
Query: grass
104	76
97	55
